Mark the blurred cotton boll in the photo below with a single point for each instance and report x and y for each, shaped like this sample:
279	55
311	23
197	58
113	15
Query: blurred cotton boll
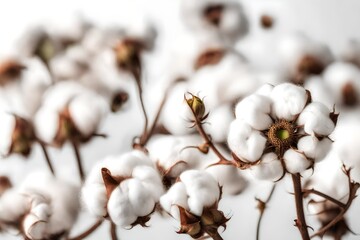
350	52
224	82
176	114
302	56
216	18
24	88
219	121
343	80
69	112
126	188
42	207
346	138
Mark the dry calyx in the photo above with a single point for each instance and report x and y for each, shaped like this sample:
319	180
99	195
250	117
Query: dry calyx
10	70
193	201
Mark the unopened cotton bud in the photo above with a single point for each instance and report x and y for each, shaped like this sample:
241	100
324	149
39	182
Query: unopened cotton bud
197	106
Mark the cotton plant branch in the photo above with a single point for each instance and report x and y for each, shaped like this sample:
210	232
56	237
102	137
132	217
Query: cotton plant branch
113	232
353	187
197	108
76	149
148	132
307	192
300	222
262	205
47	157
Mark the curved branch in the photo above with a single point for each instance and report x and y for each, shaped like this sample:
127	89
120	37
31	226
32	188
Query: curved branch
262	206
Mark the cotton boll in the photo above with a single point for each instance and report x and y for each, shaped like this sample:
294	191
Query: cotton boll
343	80
139	188
71	28
176	114
150	180
234	23
62	197
255	110
35	223
174	197
316	119
12	205
320	91
104	67
288	101
219	121
269	168
225	82
345	146
120	209
35	80
296	162
329	178
7	123
46	123
350	52
167	151
140	197
71	64
94	198
265	90
87	111
229	178
142	30
202	189
58	96
230	21
247	143
303	56
314	148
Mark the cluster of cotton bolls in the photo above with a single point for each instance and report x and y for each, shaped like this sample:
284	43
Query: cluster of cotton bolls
220	123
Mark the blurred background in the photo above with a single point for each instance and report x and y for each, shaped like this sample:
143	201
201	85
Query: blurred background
332	22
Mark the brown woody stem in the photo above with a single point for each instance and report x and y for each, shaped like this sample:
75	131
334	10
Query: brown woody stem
78	161
88	231
208	141
262	206
300	221
113	232
47	158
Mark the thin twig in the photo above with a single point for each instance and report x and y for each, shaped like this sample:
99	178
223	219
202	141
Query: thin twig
327	197
148	133
206	137
88	231
113	232
262	206
353	187
47	158
137	76
78	161
300	222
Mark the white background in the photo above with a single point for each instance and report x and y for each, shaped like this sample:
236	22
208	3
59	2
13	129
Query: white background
330	21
